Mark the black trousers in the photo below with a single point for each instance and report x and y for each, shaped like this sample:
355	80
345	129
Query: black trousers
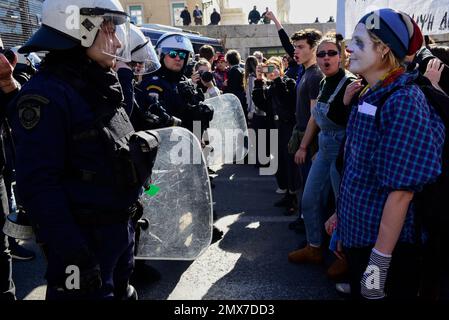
287	175
403	275
7	288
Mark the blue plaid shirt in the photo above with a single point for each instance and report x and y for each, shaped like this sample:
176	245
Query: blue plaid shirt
401	152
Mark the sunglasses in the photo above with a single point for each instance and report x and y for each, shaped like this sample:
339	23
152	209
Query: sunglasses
173	54
330	53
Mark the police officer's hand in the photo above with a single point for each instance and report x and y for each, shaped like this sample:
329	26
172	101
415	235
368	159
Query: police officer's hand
153	120
207	112
7	83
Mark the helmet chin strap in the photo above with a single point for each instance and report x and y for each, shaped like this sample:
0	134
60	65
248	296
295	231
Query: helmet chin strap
172	75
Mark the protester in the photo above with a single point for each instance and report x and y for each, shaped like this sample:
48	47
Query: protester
385	162
295	69
204	79
234	84
307	90
221	72
328	121
259	56
276	97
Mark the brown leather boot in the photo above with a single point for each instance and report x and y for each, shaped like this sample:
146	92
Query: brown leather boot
308	254
338	269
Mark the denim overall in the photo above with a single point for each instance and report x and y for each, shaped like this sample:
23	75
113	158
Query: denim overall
323	174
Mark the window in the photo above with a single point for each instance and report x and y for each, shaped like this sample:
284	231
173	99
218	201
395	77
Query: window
136	14
176	9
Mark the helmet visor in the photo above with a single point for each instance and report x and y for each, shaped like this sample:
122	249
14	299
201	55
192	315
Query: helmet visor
145	59
108	26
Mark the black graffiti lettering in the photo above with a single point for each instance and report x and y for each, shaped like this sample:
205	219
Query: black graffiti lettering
422	19
425	21
431	21
444	22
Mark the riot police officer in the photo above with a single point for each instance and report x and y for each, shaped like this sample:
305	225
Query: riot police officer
143	61
80	165
177	94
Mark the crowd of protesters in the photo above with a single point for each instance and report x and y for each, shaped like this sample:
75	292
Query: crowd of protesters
348	173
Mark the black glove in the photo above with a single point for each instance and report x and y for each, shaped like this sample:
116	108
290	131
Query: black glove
165	120
186	90
207	111
202	112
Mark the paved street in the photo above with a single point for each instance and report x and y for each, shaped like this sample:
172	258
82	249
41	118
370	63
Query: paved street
249	262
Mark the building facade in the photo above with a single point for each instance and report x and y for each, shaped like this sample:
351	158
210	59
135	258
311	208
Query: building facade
19	19
167	12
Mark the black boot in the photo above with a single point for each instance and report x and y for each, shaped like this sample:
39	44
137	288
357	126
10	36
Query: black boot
127	293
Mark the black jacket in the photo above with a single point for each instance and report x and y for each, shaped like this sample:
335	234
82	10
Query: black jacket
186	18
235	85
254	16
422	59
277	99
215	18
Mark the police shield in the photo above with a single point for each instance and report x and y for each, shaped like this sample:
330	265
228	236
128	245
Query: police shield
177	219
227	133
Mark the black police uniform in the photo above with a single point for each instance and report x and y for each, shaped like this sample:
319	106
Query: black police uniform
177	95
79	174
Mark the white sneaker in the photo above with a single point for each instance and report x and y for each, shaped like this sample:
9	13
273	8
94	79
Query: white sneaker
344	288
281	191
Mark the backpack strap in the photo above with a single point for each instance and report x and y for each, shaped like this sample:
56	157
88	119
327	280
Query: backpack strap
382	102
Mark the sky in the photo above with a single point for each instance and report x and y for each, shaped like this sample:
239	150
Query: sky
301	11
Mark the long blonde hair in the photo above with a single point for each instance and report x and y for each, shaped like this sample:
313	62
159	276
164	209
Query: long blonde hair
277	61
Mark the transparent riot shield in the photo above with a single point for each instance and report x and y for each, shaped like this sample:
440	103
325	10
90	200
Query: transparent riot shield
177	220
227	133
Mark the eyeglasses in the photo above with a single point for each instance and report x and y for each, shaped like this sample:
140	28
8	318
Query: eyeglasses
173	54
330	53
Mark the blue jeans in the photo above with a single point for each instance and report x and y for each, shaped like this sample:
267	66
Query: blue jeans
322	177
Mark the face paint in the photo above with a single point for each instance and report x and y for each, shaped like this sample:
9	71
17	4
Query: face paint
364	58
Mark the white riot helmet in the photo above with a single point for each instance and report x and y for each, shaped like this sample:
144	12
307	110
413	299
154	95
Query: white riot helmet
143	56
21	58
27	58
173	41
70	23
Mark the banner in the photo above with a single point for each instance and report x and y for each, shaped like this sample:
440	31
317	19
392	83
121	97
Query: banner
432	16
